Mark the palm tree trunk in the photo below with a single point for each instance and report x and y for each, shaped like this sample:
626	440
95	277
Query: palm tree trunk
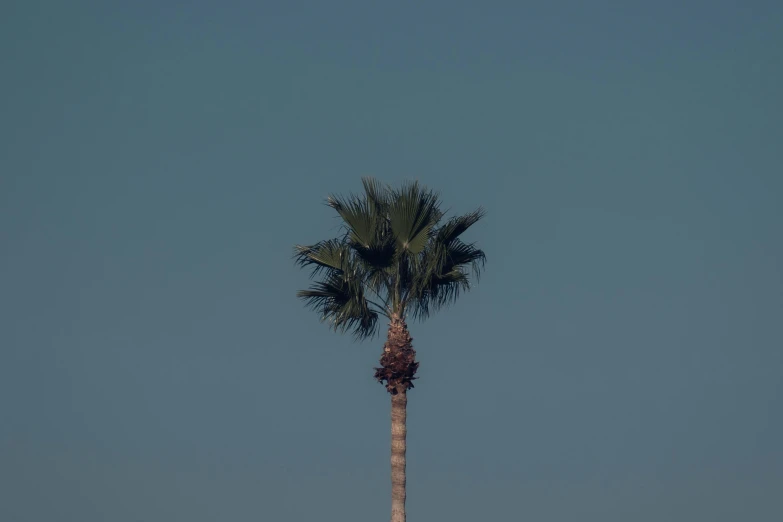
397	372
398	446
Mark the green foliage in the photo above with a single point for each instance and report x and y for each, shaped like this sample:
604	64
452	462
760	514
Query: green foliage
394	258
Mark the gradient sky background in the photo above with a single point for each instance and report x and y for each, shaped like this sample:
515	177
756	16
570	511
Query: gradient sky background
620	360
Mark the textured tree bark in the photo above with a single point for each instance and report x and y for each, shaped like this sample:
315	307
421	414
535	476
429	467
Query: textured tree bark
397	372
398	447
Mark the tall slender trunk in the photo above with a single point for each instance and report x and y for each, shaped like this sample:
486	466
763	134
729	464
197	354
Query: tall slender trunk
397	372
398	445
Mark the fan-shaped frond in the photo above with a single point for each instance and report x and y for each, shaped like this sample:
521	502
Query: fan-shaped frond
356	216
367	223
442	273
326	255
413	212
378	195
438	292
457	225
341	303
460	255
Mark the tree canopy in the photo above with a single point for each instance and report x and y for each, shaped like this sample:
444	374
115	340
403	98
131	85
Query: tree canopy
398	255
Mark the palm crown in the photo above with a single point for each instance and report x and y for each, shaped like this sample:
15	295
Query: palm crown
397	257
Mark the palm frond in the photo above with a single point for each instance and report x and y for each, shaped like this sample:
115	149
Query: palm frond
461	255
331	254
342	304
365	218
413	213
439	292
377	194
356	215
441	274
457	225
379	255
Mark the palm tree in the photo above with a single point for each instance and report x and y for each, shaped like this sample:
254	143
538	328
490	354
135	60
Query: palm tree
395	259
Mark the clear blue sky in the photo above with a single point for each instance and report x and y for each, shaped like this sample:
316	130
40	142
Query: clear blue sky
620	360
